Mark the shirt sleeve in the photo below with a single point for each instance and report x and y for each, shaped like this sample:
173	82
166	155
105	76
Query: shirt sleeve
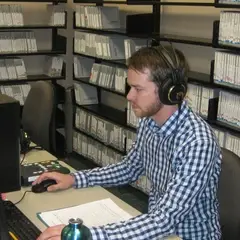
198	161
124	172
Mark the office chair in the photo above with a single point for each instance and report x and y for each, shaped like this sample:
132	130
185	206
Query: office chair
229	196
38	116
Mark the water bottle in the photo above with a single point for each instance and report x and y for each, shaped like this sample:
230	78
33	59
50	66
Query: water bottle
75	230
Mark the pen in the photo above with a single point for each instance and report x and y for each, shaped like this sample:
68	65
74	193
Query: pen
13	236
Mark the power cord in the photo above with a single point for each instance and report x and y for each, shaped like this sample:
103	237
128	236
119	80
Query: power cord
28	150
22	197
23	158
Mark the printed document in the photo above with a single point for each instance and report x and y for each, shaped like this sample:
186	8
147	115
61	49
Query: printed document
93	214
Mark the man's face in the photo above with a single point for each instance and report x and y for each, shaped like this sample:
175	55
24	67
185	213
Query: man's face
143	94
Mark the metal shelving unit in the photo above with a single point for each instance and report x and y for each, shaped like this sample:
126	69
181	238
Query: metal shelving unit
206	80
58	44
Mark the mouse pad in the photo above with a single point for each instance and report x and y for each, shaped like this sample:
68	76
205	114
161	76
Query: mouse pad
31	171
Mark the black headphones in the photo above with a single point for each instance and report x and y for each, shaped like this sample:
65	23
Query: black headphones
173	88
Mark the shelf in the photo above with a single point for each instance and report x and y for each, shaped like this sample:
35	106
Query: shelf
136	2
98	140
118	62
227	87
37	1
196	4
30	78
226	5
122	32
204	80
86	81
199	77
228	46
102	31
225	126
82	162
30	27
132	128
144	2
106	112
186	40
40	52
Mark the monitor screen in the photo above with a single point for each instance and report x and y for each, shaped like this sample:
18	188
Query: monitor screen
9	144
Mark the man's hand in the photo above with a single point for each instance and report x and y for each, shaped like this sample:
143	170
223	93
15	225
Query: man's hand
3	196
64	181
53	233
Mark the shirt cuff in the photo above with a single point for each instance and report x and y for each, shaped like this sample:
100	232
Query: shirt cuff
98	233
81	180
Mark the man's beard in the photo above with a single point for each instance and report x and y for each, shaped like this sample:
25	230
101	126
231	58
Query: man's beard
149	111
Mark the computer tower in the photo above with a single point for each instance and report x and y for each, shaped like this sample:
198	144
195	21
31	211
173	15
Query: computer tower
9	144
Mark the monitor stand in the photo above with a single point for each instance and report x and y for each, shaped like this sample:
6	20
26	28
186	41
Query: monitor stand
4	235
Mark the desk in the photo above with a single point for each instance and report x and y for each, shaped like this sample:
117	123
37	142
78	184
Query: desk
33	203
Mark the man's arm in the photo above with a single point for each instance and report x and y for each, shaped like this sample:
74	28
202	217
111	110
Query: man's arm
126	171
183	191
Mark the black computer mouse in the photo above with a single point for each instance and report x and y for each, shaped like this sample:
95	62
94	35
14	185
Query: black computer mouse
42	186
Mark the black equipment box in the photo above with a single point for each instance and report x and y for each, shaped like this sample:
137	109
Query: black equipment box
31	171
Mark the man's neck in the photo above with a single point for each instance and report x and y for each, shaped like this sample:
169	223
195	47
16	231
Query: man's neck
164	114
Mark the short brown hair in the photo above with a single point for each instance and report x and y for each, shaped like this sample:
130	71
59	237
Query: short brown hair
151	58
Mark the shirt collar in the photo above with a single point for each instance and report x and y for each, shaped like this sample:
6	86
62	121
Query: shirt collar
172	123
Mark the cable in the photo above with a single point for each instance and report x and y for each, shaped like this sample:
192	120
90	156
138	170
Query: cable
28	150
23	158
22	197
34	147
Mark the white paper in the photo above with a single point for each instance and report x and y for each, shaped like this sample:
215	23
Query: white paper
95	214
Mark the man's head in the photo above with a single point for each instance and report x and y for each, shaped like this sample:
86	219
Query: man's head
157	77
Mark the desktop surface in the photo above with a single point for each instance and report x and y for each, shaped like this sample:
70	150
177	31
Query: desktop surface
34	203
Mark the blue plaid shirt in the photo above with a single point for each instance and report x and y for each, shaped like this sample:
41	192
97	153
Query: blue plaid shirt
182	160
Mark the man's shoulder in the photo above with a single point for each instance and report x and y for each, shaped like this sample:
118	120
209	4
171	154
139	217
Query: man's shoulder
196	129
202	128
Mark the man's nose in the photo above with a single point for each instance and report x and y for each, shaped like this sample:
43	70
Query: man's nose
130	95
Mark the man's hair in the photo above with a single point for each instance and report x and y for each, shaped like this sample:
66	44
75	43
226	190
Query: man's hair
150	58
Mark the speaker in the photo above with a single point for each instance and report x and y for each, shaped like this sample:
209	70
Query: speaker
25	142
173	88
140	24
9	144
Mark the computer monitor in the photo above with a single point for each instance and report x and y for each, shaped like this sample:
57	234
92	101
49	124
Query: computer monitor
9	153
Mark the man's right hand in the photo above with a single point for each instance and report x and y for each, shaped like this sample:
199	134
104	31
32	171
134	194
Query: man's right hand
64	181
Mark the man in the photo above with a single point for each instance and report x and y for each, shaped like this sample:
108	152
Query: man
174	148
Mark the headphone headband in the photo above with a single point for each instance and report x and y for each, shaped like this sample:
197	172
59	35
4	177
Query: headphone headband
173	88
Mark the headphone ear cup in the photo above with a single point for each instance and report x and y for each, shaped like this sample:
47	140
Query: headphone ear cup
171	94
177	93
164	89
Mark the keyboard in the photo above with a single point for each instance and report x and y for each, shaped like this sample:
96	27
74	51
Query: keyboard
19	224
